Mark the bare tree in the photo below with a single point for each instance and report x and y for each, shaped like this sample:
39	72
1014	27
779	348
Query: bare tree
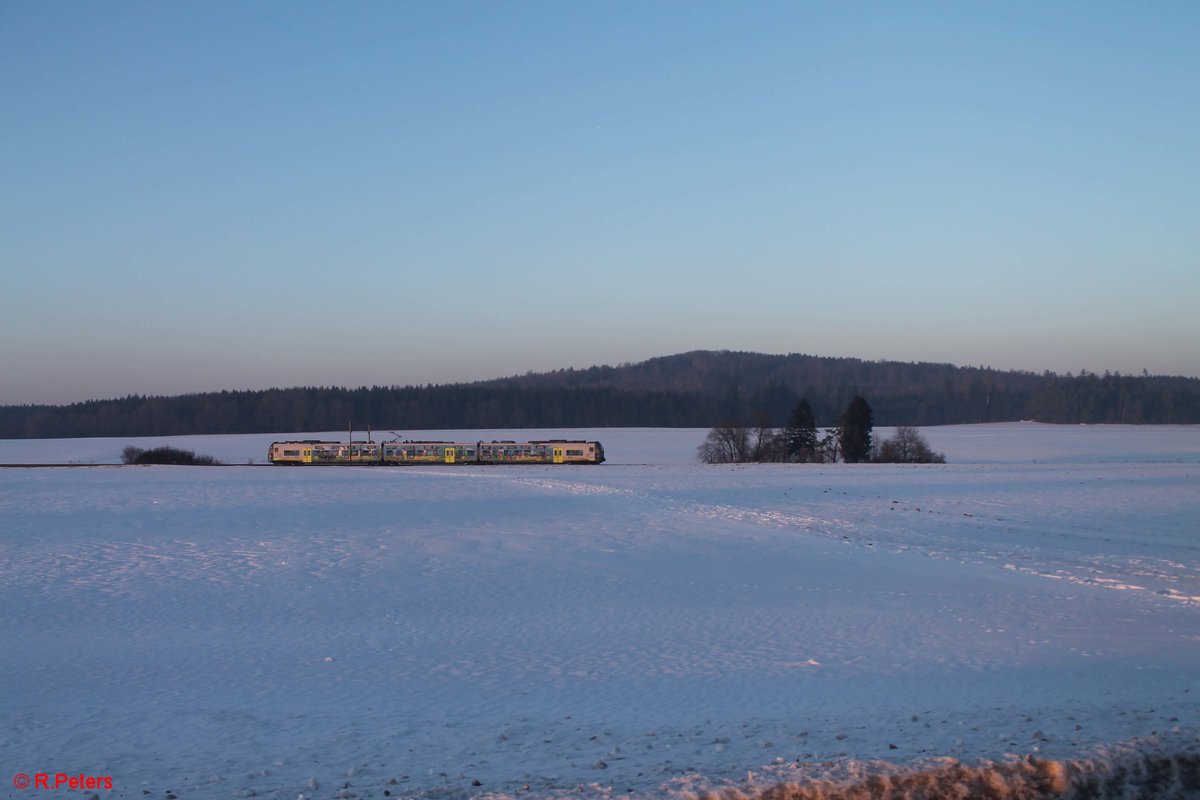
725	444
829	449
908	446
767	444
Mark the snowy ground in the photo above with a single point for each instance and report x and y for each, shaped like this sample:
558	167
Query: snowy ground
648	623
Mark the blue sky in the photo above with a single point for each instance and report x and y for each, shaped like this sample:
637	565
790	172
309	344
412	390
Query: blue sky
197	196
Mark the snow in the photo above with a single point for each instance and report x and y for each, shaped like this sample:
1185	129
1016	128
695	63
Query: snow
650	625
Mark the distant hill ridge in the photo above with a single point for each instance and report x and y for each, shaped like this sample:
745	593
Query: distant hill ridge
705	371
695	389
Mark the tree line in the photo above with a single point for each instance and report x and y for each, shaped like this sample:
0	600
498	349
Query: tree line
850	440
693	390
332	408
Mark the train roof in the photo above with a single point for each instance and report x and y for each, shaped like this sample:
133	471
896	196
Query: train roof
306	441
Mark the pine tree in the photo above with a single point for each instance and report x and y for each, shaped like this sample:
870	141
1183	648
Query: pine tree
855	431
800	436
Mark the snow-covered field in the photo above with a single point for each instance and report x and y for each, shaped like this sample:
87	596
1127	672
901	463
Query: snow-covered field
650	625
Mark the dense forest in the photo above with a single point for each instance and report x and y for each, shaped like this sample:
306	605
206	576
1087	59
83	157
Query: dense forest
698	389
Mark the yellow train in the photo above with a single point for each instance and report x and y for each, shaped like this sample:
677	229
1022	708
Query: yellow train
549	451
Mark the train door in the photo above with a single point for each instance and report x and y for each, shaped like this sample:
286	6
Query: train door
449	455
558	455
307	458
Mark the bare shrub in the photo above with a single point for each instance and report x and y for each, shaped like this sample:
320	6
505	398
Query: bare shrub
165	455
907	446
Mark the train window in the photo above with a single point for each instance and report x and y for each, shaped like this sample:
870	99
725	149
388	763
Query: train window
574	452
291	452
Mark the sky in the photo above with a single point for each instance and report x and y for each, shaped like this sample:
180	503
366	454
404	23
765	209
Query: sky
198	196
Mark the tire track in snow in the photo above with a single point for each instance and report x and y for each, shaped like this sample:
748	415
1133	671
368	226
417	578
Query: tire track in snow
850	532
678	507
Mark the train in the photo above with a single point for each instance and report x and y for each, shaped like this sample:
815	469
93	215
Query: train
405	453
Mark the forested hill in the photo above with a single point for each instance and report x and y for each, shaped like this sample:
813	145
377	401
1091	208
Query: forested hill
697	389
737	385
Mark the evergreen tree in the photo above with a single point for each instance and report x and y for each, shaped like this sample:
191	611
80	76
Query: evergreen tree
800	436
854	431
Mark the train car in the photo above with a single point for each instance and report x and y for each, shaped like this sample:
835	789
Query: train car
427	453
549	451
314	451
